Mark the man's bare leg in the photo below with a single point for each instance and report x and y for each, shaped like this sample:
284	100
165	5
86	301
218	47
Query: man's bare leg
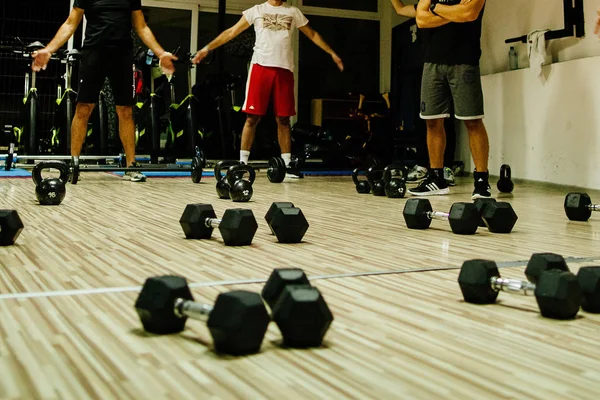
127	132
436	142
248	134
479	143
79	128
284	137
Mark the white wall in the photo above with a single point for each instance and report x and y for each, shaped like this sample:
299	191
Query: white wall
505	19
545	128
546	131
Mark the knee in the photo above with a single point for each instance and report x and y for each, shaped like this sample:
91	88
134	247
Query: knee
474	126
435	126
83	111
252	120
283	121
125	113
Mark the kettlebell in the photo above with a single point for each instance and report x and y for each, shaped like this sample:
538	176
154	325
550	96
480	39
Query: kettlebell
362	186
505	185
50	191
395	187
240	189
375	177
222	185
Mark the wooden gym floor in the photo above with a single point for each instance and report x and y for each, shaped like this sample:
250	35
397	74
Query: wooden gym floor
68	328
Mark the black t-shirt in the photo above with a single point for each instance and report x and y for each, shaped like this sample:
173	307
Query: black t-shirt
455	43
108	22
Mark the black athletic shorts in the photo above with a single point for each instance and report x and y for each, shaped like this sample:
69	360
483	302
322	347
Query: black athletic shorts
99	63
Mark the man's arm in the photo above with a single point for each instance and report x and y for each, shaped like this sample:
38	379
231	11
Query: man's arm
426	19
144	32
319	41
466	11
67	29
404	10
225	36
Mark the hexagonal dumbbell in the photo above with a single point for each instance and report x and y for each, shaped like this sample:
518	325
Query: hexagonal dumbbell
589	280
579	207
557	292
498	217
286	222
463	217
540	262
298	309
237	226
237	322
11	227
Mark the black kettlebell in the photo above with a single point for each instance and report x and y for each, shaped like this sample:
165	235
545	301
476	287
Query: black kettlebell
505	185
222	184
241	189
50	191
362	186
375	177
395	186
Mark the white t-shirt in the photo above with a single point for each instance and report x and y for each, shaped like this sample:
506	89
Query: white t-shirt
274	29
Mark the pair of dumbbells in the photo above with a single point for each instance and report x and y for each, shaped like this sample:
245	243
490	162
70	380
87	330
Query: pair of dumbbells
464	218
231	184
238	226
239	319
388	181
558	292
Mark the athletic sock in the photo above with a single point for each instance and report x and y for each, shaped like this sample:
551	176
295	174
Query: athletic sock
244	156
287	158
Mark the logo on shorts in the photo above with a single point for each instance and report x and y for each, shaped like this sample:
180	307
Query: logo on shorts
469	77
251	107
423	106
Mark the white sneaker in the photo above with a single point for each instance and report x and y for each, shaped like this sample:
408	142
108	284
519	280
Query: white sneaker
416	174
449	176
134	176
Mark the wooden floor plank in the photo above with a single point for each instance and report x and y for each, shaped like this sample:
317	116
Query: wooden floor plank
113	233
404	336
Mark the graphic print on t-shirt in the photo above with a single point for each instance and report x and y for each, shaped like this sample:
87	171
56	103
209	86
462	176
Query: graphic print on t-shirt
277	22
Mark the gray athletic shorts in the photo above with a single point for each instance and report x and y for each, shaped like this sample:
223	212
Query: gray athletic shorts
445	86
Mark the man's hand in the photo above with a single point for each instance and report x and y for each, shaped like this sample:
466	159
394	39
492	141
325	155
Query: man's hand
166	63
200	55
338	62
40	60
597	28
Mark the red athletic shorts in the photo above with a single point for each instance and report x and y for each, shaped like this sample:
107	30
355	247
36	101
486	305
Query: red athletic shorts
264	82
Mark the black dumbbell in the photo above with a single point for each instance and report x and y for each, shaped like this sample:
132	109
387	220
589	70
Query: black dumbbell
237	226
557	292
362	186
374	176
498	217
540	262
394	185
589	280
298	309
240	188
505	184
237	322
277	169
11	227
222	186
463	217
579	207
286	222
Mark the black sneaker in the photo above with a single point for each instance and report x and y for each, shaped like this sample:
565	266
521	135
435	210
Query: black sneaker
432	185
482	189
